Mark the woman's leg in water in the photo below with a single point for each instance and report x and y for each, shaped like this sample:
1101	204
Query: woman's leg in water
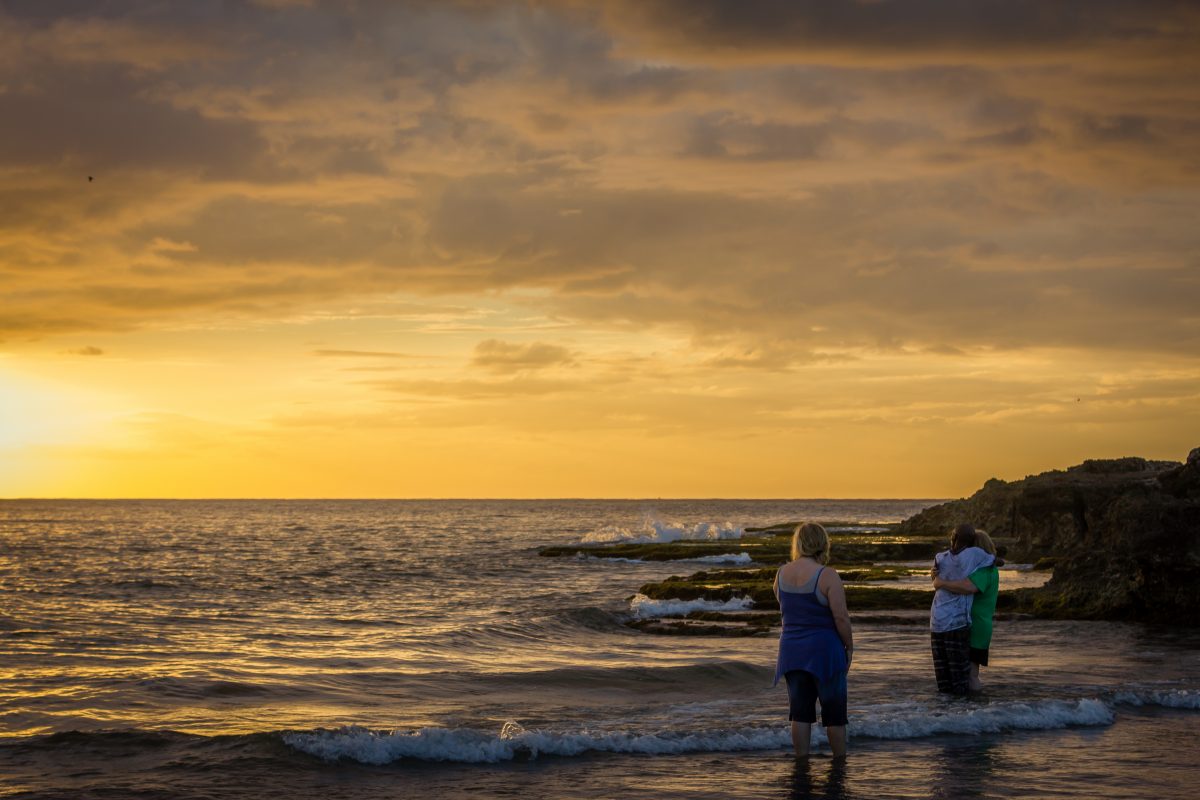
837	740
801	736
802	702
833	713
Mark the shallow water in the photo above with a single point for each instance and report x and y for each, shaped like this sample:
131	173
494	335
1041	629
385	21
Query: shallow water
189	649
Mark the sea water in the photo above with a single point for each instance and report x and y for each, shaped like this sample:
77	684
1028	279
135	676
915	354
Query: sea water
424	649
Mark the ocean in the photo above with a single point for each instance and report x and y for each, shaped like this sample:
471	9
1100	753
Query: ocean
395	649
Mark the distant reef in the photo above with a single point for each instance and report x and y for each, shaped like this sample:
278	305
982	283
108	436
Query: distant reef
1123	535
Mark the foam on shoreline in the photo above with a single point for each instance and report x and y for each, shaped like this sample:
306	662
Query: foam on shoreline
513	742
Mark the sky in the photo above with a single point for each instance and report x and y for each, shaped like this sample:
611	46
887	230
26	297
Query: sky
699	248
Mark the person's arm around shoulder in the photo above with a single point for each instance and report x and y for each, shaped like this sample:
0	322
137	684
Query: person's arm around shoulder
835	593
984	578
964	587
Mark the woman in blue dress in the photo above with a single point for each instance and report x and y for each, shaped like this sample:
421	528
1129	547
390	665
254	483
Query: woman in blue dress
816	645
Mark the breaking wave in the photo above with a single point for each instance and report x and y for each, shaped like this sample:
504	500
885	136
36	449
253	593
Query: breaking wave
656	531
643	606
736	559
513	742
1178	698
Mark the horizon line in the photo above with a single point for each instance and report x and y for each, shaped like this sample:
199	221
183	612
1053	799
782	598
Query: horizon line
447	499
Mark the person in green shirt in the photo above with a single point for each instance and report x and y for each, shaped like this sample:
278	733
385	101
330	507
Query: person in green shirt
984	584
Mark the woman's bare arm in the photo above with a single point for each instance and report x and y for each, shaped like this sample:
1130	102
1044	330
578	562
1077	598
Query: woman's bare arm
835	592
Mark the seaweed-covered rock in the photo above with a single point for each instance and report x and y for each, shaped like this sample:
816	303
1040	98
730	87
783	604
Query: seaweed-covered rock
1124	535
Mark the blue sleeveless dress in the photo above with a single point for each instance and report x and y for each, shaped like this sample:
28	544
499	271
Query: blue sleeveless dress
809	640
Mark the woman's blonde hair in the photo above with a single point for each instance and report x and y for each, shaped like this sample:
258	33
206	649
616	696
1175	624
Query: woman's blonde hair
811	540
985	541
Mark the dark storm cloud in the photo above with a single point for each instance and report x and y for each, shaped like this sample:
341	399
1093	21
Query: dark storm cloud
922	27
727	135
97	121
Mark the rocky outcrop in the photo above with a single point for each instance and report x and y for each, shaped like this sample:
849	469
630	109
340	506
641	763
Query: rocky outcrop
1124	535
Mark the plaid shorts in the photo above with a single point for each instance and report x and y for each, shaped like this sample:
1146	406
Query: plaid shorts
952	660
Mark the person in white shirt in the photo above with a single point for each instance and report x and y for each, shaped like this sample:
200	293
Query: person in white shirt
950	614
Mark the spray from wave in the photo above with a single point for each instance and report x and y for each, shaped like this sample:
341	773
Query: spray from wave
656	531
643	606
734	559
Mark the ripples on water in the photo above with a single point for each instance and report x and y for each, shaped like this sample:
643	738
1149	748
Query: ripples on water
426	645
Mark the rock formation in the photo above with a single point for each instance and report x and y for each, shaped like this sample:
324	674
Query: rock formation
1124	535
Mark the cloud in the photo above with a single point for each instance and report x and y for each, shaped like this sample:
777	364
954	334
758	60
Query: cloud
360	354
472	390
924	30
85	351
504	358
775	183
97	123
99	40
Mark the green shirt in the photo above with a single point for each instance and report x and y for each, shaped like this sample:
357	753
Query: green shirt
983	605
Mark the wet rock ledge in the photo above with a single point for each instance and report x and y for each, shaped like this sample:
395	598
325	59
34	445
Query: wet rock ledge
768	546
1121	535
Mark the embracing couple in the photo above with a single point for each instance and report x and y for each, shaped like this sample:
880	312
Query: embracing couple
960	620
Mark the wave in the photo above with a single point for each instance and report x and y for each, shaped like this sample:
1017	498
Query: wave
856	528
721	677
726	558
736	559
1178	698
654	531
513	742
994	718
643	606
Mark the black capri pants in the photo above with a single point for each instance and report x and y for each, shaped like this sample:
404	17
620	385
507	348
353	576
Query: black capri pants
803	692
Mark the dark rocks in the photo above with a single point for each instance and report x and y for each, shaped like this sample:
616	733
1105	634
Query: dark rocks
1117	466
1124	535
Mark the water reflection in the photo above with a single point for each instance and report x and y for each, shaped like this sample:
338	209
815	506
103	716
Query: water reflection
819	778
964	769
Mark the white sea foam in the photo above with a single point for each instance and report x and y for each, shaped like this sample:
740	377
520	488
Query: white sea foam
615	560
1035	715
656	531
513	741
475	746
737	559
643	606
1178	698
726	558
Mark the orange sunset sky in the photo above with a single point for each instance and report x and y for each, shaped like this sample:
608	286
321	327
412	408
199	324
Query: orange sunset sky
568	249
